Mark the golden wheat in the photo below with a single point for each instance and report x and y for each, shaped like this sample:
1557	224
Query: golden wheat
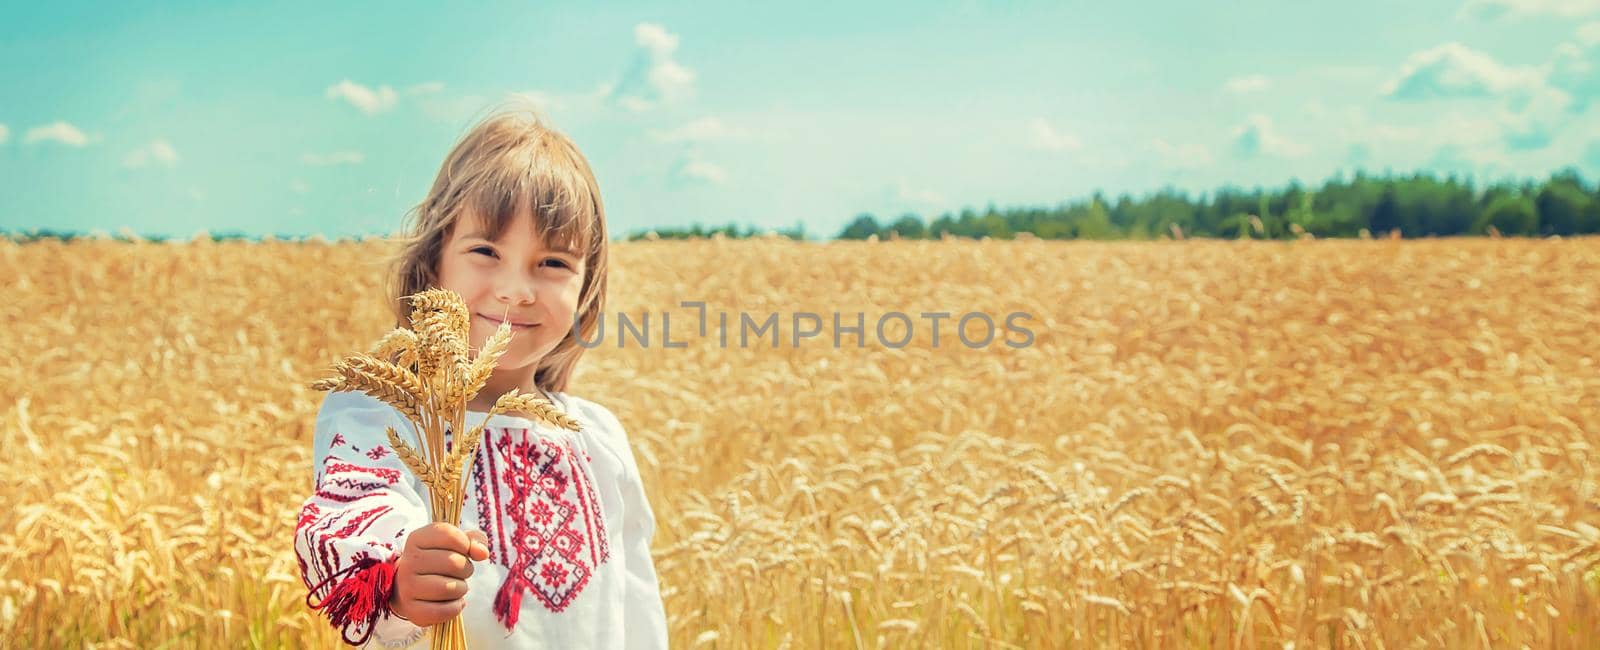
536	406
439	342
1427	452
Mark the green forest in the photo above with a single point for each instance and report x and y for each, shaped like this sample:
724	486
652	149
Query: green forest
1420	205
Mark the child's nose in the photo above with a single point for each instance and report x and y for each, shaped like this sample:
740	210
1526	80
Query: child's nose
516	290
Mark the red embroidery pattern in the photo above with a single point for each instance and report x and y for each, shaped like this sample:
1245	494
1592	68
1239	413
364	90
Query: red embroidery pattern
346	482
308	514
551	534
345	562
321	537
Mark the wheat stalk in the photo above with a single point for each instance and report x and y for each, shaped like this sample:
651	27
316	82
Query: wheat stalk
434	399
104	525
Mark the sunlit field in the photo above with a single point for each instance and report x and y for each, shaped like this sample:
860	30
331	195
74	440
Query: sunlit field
1361	444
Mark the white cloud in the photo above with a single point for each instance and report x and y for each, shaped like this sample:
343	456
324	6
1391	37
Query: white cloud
1591	154
1589	33
1534	105
1258	136
58	131
369	100
539	100
672	79
666	75
5	134
1477	160
1316	109
635	104
700	130
459	109
1354	126
1346	72
426	88
1575	71
1048	138
1470	137
1532	122
1186	156
1493	9
1471	129
452	109
904	193
693	170
299	186
158	152
655	38
333	158
1454	70
656	77
1247	84
1458	141
1393	133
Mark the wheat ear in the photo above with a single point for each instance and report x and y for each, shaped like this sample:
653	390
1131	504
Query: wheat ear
440	346
464	449
537	406
394	385
483	365
397	342
440	301
410	457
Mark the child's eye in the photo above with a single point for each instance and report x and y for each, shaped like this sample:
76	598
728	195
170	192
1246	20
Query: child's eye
489	252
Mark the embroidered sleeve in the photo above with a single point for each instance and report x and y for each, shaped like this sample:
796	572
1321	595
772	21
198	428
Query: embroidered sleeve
354	524
641	601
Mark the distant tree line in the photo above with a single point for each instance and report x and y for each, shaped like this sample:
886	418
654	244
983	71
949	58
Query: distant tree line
729	231
1419	205
1416	206
27	235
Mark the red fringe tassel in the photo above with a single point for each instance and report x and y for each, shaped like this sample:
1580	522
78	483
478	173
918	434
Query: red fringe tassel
361	595
508	602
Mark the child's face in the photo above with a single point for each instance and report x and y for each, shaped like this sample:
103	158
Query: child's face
515	278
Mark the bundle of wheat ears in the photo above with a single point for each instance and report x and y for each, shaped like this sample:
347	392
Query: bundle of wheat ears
425	373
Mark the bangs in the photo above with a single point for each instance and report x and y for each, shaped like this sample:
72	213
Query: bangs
545	181
508	165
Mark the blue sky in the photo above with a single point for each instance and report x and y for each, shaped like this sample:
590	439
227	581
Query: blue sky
170	118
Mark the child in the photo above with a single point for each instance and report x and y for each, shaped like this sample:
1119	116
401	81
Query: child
554	544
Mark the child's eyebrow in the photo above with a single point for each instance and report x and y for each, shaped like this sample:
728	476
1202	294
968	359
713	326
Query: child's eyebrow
563	249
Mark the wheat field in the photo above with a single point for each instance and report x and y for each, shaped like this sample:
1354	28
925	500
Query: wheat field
1215	444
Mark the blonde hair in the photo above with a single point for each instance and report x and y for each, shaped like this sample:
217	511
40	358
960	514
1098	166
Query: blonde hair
508	162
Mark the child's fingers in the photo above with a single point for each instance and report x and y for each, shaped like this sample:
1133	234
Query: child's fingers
441	563
480	545
425	613
437	589
439	536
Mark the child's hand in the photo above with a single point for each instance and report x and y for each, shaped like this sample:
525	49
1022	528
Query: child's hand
430	581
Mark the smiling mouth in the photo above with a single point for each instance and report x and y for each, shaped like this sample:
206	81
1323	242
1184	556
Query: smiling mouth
516	326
